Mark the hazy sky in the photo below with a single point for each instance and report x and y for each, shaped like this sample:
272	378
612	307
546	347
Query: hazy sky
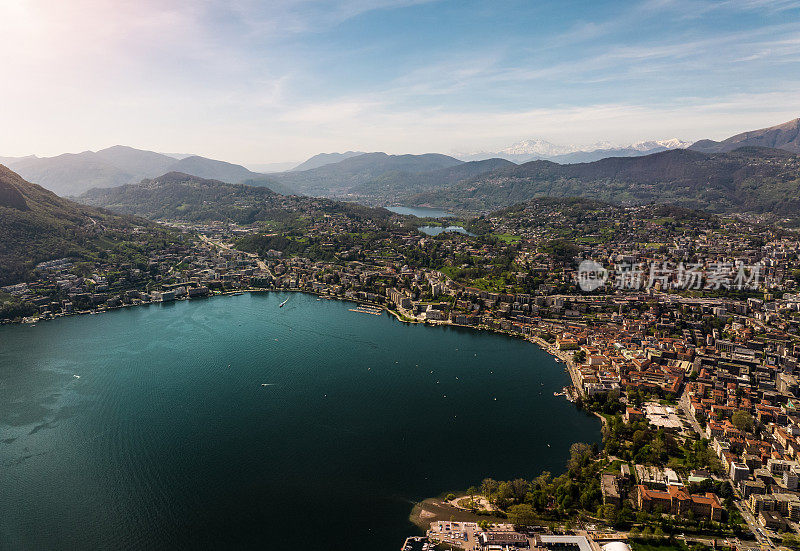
250	81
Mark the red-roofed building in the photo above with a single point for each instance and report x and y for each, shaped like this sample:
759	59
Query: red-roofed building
677	501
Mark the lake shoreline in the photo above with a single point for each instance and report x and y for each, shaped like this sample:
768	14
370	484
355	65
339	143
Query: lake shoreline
543	345
415	510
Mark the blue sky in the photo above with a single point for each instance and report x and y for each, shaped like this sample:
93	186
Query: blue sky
276	81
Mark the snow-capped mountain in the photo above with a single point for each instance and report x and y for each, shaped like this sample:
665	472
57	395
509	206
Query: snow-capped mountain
535	149
538	147
648	145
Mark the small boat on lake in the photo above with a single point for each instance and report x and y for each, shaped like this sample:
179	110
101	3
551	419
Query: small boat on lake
282	303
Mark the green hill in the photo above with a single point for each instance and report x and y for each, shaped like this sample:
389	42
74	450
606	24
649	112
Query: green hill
178	196
36	225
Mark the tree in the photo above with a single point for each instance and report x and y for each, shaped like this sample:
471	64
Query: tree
791	540
521	515
578	453
540	492
519	488
489	486
742	420
504	495
659	449
471	491
610	513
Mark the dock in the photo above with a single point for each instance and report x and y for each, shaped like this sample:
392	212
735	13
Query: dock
367	310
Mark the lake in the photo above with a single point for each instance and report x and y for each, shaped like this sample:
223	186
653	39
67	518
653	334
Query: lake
421	212
169	440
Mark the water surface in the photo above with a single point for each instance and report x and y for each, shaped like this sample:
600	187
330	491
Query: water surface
169	440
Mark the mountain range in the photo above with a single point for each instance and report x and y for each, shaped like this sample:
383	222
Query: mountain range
737	176
380	179
756	178
71	174
748	179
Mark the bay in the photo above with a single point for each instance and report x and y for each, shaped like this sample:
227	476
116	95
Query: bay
169	440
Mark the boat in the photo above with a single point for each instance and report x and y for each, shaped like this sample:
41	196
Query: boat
282	303
77	376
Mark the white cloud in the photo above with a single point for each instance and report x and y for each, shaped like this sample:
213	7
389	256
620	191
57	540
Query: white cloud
217	79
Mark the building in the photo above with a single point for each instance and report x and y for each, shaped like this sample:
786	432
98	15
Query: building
739	471
771	520
779	466
677	501
610	489
513	540
563	543
789	480
633	414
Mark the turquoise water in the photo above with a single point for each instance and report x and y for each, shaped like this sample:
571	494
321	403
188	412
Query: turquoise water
420	212
168	439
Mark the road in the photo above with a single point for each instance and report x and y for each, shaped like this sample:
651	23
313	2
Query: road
683	402
261	264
